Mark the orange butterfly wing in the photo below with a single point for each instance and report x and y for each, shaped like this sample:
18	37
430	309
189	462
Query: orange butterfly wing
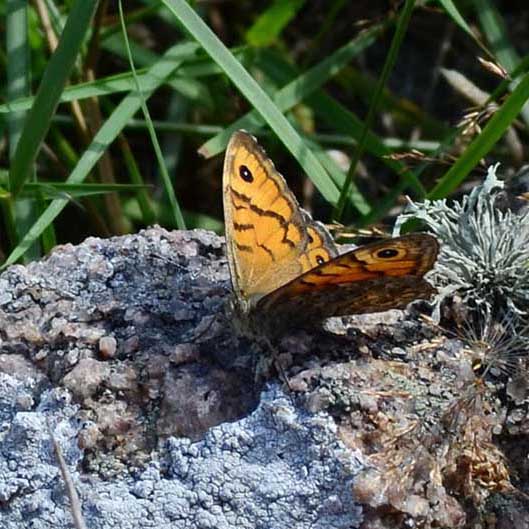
270	240
372	278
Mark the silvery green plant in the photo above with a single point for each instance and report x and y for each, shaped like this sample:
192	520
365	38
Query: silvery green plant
484	256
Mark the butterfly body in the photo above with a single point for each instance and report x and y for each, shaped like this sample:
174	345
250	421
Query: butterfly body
285	267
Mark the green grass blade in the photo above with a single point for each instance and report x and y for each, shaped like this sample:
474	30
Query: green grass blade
295	91
493	25
183	81
135	17
272	21
49	92
494	28
17	67
106	134
52	190
17	76
456	16
482	144
255	95
345	122
143	199
189	88
342	120
358	201
105	86
166	180
400	31
115	44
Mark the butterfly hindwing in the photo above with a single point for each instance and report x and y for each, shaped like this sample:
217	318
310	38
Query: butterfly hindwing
374	277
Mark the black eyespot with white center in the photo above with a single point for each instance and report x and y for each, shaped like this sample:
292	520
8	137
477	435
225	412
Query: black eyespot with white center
388	253
320	260
245	174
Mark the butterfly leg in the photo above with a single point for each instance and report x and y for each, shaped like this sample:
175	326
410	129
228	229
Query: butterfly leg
206	323
277	363
282	374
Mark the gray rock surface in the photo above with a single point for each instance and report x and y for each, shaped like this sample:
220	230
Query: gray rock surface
122	348
108	345
278	467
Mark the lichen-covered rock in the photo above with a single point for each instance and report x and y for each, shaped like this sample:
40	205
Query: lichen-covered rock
122	348
112	345
114	321
279	467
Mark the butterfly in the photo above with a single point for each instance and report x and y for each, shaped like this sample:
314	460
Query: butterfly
285	267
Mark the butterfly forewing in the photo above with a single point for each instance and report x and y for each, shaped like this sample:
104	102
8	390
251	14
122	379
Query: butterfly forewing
320	247
270	239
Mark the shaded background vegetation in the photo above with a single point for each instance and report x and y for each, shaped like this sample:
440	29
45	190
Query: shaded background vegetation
395	87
